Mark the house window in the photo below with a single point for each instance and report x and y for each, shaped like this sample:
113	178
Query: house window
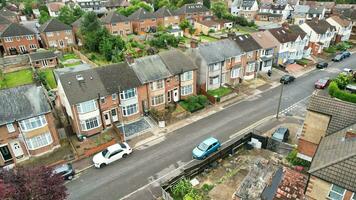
33	46
70	41
251	67
156	100
18	38
29	37
157	85
102	99
114	96
8	39
10	128
214	80
186	90
129	110
52	43
235	73
39	141
49	34
87	106
90	123
336	193
186	76
68	32
237	58
128	94
214	67
33	123
250	54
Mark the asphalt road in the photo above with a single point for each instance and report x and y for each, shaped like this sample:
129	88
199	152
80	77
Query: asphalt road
126	176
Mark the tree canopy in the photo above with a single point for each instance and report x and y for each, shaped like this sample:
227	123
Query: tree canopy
44	17
135	5
69	15
219	9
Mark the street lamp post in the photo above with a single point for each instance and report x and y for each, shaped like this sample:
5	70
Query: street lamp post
280	99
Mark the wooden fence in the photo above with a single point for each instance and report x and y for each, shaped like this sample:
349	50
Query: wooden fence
84	58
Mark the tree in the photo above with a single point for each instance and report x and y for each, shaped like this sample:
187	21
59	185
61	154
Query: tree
44	17
219	9
182	188
68	15
135	6
207	3
90	23
28	7
184	24
38	183
191	30
2	3
43	7
157	4
342	80
111	46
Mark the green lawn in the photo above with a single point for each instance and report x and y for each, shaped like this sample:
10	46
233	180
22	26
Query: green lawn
68	56
17	78
245	29
220	92
208	38
72	64
50	78
97	58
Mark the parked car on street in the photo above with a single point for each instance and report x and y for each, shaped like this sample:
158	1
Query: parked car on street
281	134
346	54
65	170
347	70
322	83
110	154
322	65
285	79
206	148
338	58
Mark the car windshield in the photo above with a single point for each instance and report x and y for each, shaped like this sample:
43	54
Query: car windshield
338	56
278	135
122	145
202	146
105	152
322	81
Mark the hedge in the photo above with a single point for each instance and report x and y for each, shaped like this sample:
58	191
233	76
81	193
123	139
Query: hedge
340	94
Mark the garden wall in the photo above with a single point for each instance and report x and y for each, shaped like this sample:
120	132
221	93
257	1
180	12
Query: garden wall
14	63
84	58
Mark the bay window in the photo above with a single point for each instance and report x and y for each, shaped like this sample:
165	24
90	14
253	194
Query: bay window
156	100
89	124
157	85
129	110
87	106
39	141
33	123
186	90
186	76
128	94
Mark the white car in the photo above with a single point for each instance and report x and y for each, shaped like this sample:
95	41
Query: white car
111	154
347	70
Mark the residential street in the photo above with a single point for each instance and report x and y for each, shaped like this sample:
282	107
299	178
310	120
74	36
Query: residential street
125	176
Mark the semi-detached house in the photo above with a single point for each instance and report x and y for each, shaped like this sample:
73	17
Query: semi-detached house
321	34
343	28
27	125
143	21
193	12
166	17
117	24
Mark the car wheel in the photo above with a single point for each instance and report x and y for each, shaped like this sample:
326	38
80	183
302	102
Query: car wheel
124	156
70	177
102	165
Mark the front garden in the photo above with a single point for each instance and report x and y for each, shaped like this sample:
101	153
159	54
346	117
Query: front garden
338	87
220	92
194	103
342	46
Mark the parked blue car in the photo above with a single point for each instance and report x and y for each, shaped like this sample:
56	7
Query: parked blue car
206	148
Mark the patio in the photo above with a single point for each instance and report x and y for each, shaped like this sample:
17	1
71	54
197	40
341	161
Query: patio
135	128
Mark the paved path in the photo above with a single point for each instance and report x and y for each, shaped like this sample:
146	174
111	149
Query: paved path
174	150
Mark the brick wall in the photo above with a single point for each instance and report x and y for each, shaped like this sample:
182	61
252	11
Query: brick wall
143	25
58	37
120	28
51	62
20	41
167	21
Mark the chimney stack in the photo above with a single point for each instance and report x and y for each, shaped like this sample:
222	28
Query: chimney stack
350	135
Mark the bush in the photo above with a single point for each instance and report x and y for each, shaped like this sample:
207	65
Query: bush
302	62
342	80
335	91
330	49
343	46
194	103
182	188
206	187
294	160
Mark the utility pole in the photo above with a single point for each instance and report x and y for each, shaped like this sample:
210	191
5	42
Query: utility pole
280	99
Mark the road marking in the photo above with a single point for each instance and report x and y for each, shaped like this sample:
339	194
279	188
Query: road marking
156	180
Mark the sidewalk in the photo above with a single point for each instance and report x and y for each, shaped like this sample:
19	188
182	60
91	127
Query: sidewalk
151	137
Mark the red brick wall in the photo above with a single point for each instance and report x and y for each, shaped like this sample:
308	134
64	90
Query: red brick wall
18	41
52	62
315	48
143	25
167	21
57	37
121	28
76	124
306	147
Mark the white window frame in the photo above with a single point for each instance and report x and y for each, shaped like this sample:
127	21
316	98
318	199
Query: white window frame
238	58
186	76
214	67
156	85
28	124
235	73
33	46
250	66
29	37
39	139
8	39
68	32
84	123
353	197
10	127
70	41
155	100
130	110
211	80
80	106
128	94
331	190
114	96
186	90
49	34
102	99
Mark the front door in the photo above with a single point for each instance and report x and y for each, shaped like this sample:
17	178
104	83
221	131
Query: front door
169	96
175	95
61	43
16	149
107	118
22	49
45	63
5	153
114	116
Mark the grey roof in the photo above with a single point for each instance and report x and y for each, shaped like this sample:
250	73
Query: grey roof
289	34
117	76
177	62
320	26
104	80
150	68
278	7
164	12
15	29
4	20
247	3
54	25
31	25
301	9
141	14
316	10
218	51
192	8
343	114
116	3
246	43
335	159
113	17
40	55
21	103
77	68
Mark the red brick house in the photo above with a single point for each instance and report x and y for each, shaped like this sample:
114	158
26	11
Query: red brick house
17	39
166	17
42	59
56	34
143	21
27	125
117	24
193	12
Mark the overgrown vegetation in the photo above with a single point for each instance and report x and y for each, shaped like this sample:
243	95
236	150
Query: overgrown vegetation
194	103
302	61
184	190
164	40
294	160
135	5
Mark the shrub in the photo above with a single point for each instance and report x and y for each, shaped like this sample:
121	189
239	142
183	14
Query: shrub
182	188
342	80
335	91
294	160
207	187
302	62
330	49
194	103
